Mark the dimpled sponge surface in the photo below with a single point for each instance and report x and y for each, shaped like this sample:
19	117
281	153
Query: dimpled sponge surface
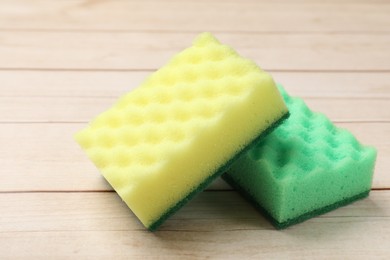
166	140
305	167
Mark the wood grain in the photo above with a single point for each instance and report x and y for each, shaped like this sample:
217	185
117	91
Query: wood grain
74	109
112	84
67	96
194	16
100	225
63	62
140	50
46	158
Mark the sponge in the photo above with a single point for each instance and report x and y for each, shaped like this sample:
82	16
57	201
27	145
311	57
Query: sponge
304	168
166	140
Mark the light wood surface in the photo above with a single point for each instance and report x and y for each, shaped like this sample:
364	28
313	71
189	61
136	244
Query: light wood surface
99	225
63	62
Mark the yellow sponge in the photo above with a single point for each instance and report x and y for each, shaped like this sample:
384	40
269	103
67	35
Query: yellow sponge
166	140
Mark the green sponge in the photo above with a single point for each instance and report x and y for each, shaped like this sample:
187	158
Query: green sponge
165	141
304	168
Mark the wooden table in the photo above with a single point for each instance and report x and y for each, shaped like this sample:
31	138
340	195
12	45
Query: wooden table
63	62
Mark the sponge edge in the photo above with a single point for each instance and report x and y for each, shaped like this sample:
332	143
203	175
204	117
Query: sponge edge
304	168
165	141
222	169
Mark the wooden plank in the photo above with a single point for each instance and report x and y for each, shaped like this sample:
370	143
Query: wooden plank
213	225
83	109
253	16
44	157
346	85
65	61
115	83
350	110
135	50
78	96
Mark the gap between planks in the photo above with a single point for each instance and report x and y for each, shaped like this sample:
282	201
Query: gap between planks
68	109
112	84
104	191
37	69
45	157
190	32
132	51
212	225
182	16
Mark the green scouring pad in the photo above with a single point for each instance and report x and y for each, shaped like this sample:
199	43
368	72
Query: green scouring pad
304	168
